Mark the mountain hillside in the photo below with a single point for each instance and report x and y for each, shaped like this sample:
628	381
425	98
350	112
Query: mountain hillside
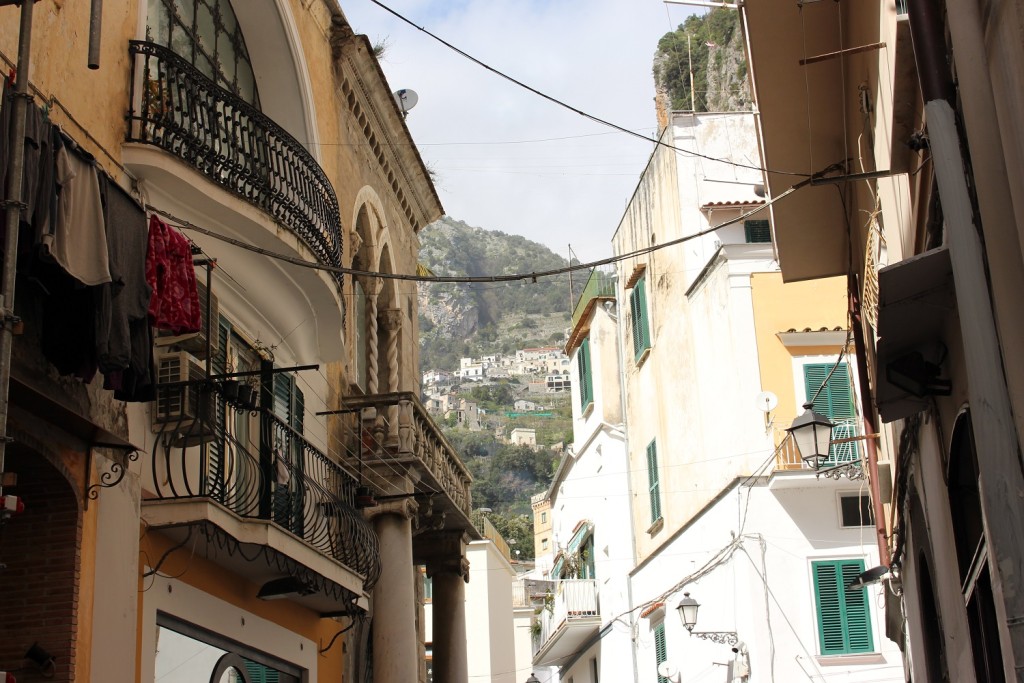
719	64
459	320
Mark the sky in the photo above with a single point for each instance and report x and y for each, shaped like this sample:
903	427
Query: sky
504	158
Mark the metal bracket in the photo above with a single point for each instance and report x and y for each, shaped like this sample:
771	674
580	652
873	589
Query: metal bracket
720	637
113	476
851	470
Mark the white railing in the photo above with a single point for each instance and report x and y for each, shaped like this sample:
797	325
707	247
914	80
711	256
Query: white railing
572	600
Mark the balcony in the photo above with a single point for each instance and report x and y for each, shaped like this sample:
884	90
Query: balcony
392	435
600	286
568	619
788	459
234	145
238	485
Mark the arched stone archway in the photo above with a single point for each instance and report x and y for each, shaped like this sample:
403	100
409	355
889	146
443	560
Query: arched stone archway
41	548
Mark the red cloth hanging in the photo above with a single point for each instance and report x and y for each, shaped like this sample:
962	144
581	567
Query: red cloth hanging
174	305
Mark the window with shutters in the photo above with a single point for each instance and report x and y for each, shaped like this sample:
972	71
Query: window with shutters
653	480
831	393
758	231
660	650
585	374
639	317
844	617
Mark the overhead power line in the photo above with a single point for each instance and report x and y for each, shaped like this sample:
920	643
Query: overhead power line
516	277
565	105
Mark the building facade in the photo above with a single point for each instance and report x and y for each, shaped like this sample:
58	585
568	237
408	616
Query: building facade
239	493
923	219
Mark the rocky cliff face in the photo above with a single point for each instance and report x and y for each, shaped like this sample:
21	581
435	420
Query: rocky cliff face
712	45
472	319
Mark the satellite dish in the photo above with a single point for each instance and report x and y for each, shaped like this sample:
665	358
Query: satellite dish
406	99
766	401
667	669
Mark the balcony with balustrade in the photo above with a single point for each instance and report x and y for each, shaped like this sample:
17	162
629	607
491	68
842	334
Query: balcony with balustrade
237	485
845	454
568	618
232	144
388	438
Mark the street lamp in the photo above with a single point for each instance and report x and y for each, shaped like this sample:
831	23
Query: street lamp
813	434
687	609
533	679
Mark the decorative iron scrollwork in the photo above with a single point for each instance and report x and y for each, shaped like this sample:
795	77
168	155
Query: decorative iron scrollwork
851	470
113	476
720	637
235	145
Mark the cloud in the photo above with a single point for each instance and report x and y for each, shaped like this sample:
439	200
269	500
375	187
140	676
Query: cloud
594	56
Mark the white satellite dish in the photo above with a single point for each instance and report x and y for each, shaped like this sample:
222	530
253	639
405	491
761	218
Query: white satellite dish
766	401
406	99
667	669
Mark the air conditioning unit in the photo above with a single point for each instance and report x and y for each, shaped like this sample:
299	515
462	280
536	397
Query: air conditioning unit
186	412
195	342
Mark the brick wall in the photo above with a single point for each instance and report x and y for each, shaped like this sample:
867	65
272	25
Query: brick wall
39	588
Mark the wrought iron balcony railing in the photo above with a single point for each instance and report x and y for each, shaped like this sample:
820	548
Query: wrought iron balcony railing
395	431
234	145
254	464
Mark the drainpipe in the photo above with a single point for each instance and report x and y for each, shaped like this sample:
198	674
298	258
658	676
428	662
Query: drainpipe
95	25
1001	481
12	215
868	418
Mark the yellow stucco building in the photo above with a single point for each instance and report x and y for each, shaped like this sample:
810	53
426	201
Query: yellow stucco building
248	514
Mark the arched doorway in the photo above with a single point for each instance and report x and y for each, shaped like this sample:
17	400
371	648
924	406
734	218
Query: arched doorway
41	549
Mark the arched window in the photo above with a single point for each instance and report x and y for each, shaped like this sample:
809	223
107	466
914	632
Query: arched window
206	33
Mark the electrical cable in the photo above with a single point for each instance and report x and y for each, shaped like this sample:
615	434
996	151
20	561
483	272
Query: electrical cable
517	277
565	105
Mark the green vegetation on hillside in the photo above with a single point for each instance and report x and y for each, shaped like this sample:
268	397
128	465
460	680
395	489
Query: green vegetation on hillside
719	64
505	476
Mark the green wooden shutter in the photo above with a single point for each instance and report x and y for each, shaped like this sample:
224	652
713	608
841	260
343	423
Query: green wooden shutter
757	231
844	619
298	408
855	603
217	452
652	478
641	326
835	399
586	376
660	649
258	673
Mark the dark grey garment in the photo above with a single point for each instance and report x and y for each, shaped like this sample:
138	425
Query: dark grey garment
125	299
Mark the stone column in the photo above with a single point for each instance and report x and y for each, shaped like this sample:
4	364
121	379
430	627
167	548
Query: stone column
395	644
372	290
391	321
448	567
